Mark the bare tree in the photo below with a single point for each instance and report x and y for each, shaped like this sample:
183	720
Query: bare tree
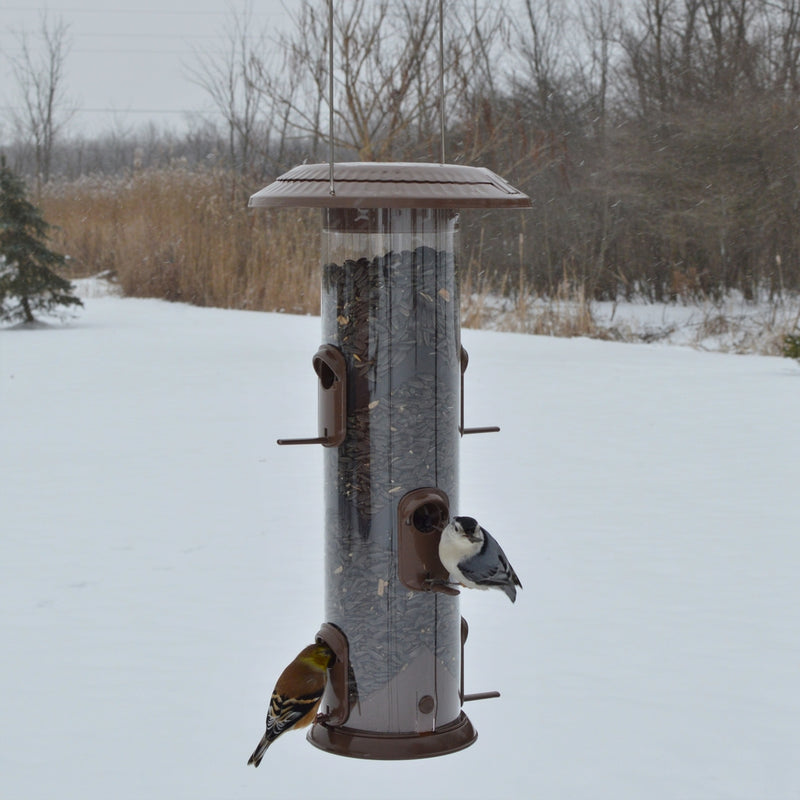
599	22
789	37
541	47
297	88
40	76
231	80
382	51
386	70
477	100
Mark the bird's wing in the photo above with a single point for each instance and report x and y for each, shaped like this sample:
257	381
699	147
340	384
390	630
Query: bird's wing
490	566
286	712
501	556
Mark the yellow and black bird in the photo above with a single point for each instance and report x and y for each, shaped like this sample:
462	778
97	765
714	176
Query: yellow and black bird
295	698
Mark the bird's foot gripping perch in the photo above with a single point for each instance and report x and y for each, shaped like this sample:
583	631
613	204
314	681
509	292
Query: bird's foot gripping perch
431	582
321	718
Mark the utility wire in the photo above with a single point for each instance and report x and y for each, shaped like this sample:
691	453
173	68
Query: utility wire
138	11
129	110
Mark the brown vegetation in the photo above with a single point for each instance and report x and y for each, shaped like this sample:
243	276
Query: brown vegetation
188	236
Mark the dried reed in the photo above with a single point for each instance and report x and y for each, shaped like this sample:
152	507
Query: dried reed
188	236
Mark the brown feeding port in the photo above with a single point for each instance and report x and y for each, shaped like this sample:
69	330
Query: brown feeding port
391	414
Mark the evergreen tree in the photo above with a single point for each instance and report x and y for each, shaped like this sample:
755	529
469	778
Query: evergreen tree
27	280
791	346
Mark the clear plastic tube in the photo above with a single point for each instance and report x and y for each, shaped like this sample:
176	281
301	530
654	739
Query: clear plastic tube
390	303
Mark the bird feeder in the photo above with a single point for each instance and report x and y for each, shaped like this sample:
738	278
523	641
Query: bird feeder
390	373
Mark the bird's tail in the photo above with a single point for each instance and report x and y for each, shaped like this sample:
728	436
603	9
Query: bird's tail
258	753
510	591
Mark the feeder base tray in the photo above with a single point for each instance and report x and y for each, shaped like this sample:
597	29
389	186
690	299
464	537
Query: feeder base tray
394	746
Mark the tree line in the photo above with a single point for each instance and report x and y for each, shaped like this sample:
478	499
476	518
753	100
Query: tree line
658	139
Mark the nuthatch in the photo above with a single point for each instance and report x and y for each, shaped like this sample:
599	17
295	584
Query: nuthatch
474	558
295	698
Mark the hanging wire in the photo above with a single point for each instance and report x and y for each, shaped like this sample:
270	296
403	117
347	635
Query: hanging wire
441	75
332	189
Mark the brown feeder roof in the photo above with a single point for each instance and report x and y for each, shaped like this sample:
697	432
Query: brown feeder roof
370	184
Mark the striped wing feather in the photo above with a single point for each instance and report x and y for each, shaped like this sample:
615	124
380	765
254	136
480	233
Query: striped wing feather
290	712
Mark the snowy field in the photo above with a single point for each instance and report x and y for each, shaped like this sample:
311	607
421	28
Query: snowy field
729	325
161	560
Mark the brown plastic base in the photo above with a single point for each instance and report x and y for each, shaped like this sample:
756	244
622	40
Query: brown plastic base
394	747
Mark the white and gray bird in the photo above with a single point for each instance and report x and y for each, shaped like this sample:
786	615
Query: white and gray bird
474	559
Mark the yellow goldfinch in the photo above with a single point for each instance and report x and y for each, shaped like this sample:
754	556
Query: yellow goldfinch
296	695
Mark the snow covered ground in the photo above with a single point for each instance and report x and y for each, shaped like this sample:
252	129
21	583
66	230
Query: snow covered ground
729	325
161	560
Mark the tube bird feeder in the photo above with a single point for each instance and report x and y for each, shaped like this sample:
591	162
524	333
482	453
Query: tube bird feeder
390	393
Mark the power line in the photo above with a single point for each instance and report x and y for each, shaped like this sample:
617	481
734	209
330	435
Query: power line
182	36
130	110
216	37
121	51
129	52
148	111
137	11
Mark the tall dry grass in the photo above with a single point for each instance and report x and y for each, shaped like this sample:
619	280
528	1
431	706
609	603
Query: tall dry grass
510	304
188	236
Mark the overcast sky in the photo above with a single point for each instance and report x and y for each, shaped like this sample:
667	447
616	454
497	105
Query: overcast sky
127	64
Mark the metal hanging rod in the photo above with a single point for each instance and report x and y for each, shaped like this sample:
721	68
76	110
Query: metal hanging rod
332	188
441	77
